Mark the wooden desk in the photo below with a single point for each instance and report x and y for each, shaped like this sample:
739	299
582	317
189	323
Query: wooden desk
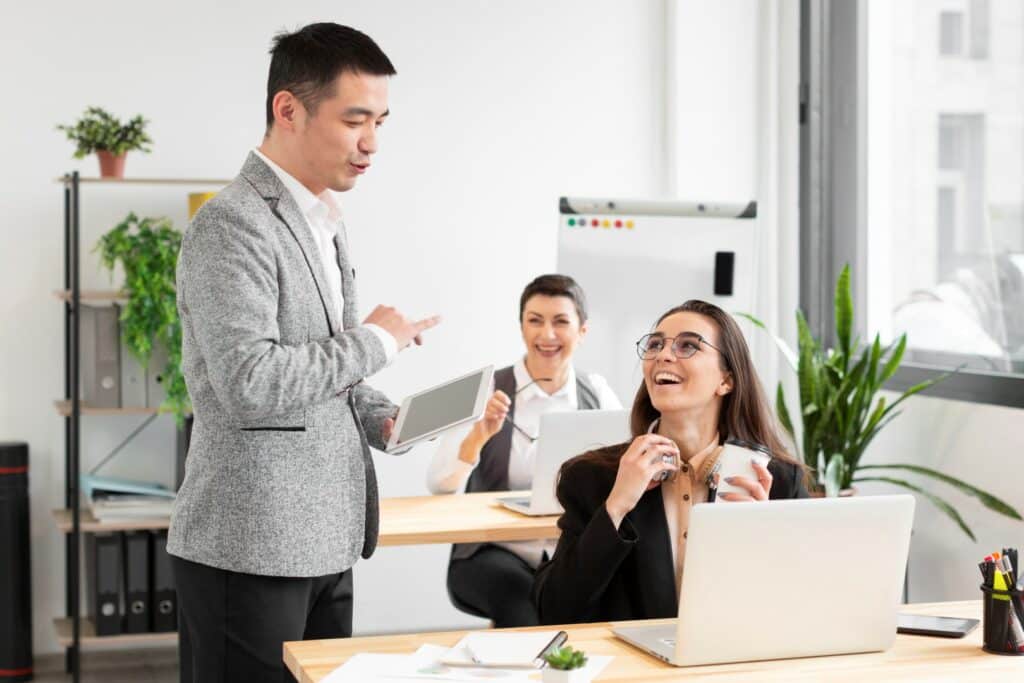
912	658
463	518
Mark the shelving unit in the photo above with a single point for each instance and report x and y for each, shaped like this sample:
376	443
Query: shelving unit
64	409
87	635
143	181
91	296
90	525
76	630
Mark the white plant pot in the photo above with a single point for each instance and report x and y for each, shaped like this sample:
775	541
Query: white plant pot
550	675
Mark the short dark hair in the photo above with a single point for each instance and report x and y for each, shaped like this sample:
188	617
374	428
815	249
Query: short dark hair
308	62
556	285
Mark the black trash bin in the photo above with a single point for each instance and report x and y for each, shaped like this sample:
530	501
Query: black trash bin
15	565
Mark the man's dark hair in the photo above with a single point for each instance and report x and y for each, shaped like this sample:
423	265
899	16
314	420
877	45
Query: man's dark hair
555	285
308	62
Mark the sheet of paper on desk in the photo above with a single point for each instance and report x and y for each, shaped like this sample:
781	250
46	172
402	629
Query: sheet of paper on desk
424	665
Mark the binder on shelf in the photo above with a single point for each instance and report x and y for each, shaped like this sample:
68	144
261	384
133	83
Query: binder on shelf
100	356
155	370
133	377
103	578
165	599
136	582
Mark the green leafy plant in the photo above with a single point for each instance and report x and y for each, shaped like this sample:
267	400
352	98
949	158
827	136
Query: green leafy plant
147	248
566	658
98	130
840	416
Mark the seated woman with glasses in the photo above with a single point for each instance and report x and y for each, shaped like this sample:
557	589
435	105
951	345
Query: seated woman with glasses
493	580
627	507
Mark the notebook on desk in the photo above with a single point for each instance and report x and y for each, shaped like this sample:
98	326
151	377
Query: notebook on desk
504	650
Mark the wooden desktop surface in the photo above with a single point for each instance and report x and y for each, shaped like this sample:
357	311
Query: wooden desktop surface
468	518
912	658
462	518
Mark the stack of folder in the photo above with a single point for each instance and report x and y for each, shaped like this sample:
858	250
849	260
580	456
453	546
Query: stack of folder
111	376
130	587
114	500
128	574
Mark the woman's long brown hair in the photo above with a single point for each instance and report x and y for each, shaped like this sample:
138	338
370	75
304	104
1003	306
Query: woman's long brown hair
745	413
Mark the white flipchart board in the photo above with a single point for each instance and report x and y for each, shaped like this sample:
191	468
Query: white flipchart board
635	259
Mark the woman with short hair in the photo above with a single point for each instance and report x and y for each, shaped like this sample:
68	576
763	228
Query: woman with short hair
496	453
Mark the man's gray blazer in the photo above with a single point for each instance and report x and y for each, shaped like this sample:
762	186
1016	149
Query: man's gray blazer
279	479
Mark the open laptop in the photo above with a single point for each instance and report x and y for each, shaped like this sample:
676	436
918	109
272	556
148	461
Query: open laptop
563	436
786	578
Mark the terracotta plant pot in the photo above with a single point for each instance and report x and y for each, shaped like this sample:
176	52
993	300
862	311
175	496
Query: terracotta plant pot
111	165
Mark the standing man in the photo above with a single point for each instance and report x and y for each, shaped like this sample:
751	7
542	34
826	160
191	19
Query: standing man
280	496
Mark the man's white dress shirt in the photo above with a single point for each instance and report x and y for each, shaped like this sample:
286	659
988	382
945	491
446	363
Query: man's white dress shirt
323	214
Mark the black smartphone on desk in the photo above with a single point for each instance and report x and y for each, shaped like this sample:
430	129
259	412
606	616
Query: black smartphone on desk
943	627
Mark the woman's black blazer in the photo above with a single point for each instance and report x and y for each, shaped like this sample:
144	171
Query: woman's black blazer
601	574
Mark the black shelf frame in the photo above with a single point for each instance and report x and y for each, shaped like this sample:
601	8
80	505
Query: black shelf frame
73	421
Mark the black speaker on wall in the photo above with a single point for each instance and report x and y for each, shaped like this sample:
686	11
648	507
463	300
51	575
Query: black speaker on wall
725	262
15	566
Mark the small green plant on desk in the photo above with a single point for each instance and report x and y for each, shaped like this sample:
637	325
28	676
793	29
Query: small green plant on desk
565	665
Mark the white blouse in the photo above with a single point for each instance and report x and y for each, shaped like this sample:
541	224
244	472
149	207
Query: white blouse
448	474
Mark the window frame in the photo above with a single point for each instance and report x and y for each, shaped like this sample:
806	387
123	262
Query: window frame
833	159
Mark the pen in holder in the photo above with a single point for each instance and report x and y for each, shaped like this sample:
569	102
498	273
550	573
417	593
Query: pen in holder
1002	612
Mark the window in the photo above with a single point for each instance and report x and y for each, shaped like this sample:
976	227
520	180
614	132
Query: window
963	27
960	209
951	34
934	163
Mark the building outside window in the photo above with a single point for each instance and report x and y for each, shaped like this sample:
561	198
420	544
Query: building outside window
944	172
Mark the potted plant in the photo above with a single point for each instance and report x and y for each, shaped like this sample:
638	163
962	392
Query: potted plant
98	131
565	665
148	249
839	414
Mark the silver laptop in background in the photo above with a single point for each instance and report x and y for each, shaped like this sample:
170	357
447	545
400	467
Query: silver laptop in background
786	578
562	436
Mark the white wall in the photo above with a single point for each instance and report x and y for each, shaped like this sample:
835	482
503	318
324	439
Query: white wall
498	109
979	444
717	121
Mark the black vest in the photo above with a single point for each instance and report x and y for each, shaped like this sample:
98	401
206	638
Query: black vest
491	473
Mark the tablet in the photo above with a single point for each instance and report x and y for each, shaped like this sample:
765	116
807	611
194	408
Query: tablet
428	413
943	627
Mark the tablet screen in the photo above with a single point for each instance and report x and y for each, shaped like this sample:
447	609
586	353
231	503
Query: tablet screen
440	407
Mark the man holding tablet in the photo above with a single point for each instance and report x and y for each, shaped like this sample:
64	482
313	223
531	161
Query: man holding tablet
429	413
280	496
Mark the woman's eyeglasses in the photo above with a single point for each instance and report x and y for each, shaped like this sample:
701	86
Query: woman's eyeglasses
531	439
683	345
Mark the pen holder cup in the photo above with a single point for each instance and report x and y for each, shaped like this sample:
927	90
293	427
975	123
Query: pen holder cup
1002	613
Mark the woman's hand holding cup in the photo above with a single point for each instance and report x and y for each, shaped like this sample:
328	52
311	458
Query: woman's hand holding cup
640	469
